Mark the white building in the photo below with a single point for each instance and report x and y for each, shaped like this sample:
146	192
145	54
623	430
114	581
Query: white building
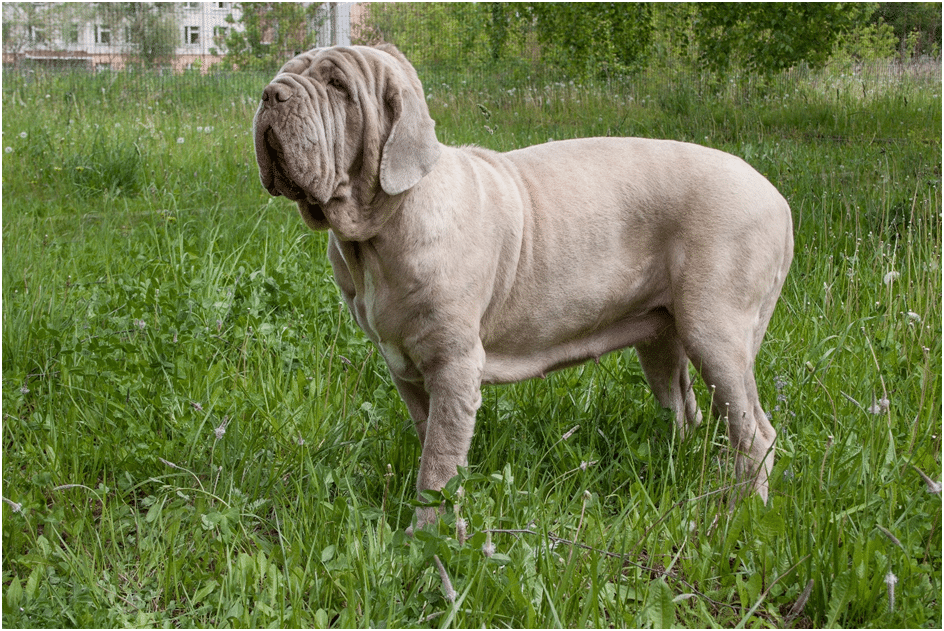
63	35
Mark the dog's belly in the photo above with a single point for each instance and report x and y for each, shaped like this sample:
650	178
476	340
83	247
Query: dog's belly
508	366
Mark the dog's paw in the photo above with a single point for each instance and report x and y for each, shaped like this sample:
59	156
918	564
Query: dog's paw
424	516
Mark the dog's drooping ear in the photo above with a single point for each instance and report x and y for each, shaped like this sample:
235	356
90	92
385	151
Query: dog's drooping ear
411	150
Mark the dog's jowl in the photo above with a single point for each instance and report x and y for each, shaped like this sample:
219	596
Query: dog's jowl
466	266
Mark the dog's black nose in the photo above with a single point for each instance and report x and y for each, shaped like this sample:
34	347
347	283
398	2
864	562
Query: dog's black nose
276	93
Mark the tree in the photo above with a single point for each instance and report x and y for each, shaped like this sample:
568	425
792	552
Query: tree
768	37
592	39
444	35
917	26
150	28
272	33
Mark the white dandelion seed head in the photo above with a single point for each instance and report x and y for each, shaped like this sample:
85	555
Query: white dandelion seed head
890	277
880	407
23	134
180	141
8	149
219	432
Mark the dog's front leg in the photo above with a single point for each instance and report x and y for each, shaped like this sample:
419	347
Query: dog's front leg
454	387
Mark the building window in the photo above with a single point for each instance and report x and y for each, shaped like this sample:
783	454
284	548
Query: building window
222	5
73	33
192	5
220	33
191	35
37	34
102	34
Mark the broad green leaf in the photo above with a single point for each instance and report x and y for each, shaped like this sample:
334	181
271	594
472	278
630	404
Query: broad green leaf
660	606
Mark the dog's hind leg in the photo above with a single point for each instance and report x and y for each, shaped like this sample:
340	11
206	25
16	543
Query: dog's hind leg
723	350
665	365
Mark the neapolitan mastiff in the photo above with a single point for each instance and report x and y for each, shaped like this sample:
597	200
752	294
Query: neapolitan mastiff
466	266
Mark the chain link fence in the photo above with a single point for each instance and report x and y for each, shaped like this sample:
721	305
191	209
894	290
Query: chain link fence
452	58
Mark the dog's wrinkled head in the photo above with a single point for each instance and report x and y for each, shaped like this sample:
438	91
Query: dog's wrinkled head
344	132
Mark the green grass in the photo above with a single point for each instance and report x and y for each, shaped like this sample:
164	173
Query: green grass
195	433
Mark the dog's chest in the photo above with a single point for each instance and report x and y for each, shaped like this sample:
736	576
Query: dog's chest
368	295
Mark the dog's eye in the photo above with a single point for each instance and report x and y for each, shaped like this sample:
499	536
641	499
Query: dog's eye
337	85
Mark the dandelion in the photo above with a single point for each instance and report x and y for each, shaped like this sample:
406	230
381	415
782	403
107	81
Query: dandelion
880	407
180	141
24	389
22	134
913	317
220	431
141	324
199	130
890	278
8	149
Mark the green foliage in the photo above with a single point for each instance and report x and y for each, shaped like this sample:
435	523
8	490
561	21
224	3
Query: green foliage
580	40
445	35
272	32
606	39
767	37
572	38
195	434
867	42
917	26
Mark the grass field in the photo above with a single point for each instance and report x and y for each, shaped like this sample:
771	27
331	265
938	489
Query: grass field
195	433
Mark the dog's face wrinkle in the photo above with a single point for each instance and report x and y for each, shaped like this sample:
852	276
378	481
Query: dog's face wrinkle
311	209
282	183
